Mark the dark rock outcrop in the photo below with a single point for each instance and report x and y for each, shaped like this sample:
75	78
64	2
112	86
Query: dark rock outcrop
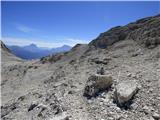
97	83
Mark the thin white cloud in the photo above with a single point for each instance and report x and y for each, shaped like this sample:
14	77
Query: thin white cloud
24	28
41	43
76	40
73	41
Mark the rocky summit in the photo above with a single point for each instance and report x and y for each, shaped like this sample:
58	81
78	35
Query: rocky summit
114	77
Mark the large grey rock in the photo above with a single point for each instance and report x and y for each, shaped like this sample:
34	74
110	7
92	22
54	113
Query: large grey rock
97	83
125	91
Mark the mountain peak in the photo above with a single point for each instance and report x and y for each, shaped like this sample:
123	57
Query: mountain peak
66	46
33	45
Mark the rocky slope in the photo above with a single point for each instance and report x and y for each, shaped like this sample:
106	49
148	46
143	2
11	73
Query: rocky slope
145	32
53	87
7	56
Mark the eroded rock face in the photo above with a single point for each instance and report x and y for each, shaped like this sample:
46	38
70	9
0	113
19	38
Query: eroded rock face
97	83
125	92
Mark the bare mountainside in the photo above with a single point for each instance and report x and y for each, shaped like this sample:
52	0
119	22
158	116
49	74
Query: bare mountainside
66	86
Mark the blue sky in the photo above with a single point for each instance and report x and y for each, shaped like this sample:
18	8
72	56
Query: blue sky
52	24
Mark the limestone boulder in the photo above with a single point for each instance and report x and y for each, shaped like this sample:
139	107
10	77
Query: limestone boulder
125	91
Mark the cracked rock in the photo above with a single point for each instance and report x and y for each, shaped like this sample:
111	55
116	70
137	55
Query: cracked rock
125	92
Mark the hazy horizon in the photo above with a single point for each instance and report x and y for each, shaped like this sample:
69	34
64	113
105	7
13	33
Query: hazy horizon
35	45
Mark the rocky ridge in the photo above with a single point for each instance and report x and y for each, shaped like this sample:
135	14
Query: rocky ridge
145	32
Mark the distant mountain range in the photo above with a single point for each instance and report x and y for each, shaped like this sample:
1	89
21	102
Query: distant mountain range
33	52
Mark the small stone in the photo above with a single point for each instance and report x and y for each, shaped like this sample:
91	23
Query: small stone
152	109
151	118
146	110
66	118
101	71
150	90
71	92
134	76
158	98
110	118
118	117
32	106
139	86
134	106
117	109
156	116
129	75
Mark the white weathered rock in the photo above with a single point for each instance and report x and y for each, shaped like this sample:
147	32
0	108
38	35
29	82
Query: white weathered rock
129	74
156	116
146	110
151	118
125	91
134	106
97	83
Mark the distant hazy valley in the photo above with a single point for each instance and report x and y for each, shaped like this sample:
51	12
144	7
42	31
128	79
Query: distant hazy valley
33	52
